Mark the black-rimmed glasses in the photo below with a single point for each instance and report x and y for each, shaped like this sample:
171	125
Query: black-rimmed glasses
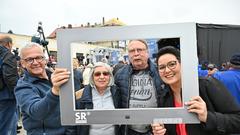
170	65
31	60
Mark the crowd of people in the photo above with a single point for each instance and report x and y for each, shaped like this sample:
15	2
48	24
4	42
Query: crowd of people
228	74
140	84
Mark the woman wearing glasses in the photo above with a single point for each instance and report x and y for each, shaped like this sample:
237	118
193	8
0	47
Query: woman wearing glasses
99	94
215	107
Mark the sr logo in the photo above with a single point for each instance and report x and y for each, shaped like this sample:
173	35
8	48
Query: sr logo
80	117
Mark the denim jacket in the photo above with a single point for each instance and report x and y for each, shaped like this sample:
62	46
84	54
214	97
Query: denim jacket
39	106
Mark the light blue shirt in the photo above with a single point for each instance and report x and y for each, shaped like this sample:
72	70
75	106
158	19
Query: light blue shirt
104	101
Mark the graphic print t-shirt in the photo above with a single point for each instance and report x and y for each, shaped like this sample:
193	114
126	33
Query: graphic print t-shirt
142	95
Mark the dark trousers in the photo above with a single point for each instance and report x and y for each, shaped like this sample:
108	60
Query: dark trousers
132	132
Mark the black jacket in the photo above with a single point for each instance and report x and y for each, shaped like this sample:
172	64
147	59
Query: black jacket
86	103
123	81
223	116
9	74
117	67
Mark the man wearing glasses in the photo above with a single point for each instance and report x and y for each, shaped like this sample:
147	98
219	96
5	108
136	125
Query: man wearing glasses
139	84
8	80
37	93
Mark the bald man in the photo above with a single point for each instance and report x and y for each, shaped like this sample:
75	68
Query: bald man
8	80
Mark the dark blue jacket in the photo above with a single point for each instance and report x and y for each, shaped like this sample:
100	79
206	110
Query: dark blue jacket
39	106
122	81
86	103
9	74
123	77
8	80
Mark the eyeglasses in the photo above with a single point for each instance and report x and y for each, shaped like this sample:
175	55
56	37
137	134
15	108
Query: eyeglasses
170	65
97	74
31	60
139	50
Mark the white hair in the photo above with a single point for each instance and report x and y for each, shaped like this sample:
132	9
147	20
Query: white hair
29	45
101	64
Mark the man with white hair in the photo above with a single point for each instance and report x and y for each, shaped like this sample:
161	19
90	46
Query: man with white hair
37	93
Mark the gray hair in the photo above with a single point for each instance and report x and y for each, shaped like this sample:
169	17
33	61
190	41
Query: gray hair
101	64
30	45
5	39
140	40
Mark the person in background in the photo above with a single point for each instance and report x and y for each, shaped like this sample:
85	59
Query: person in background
78	78
119	65
8	81
104	60
100	93
225	66
231	77
215	107
201	71
139	84
86	74
212	69
37	93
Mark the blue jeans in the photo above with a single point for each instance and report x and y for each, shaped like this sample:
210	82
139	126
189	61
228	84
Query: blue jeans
8	118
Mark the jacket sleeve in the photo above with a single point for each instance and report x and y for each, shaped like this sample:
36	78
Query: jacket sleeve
32	103
10	74
223	111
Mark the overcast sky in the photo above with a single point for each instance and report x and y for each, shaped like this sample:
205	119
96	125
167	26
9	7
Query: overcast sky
22	16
